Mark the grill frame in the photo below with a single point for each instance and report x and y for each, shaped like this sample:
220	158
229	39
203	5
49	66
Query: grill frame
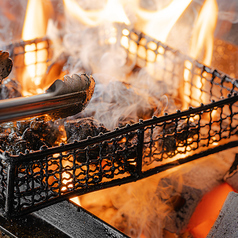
31	181
36	47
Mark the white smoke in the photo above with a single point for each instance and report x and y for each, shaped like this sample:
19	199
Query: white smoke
227	10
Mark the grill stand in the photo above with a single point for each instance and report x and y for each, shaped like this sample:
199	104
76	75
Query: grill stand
60	220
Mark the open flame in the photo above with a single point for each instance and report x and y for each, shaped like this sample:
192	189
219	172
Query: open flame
158	24
112	12
202	42
35	26
155	24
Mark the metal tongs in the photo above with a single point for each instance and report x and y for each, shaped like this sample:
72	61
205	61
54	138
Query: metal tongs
61	99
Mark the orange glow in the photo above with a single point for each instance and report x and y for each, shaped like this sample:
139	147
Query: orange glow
76	200
72	8
208	210
202	40
158	24
113	12
203	32
35	26
67	176
66	181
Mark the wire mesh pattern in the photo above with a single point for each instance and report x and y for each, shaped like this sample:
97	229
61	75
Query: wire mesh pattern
162	62
59	173
37	179
31	58
182	135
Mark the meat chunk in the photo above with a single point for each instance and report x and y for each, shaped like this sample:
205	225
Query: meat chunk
80	129
10	88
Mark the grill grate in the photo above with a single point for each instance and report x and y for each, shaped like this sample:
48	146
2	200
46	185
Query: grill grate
37	179
32	55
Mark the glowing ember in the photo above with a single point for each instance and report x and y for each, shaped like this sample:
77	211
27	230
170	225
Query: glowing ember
208	210
76	200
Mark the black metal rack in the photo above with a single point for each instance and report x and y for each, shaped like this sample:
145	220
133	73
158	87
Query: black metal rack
38	179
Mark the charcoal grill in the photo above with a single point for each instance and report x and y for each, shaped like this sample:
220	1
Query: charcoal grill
37	179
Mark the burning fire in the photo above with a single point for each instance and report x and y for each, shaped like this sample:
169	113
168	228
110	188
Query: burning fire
37	15
157	24
202	41
112	12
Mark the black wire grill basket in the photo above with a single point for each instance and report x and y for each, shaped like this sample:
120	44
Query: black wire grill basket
207	123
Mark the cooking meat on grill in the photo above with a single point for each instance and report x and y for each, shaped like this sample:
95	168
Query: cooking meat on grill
5	65
118	103
31	134
168	137
10	88
80	129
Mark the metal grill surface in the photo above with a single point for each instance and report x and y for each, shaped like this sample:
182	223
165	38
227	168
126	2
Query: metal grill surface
37	179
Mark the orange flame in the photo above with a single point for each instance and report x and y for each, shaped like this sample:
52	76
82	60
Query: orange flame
202	38
159	23
204	31
113	12
35	26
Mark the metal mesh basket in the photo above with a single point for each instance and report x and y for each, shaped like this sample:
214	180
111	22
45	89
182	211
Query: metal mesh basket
31	59
40	178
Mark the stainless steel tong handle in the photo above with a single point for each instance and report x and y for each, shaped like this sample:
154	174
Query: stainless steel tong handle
62	99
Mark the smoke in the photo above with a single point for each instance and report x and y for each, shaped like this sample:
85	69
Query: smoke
140	209
227	10
135	209
116	103
150	206
121	96
12	15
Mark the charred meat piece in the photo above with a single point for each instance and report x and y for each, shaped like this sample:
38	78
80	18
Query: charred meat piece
184	131
42	129
35	141
22	125
12	143
31	134
80	129
4	141
118	103
5	65
170	136
10	88
49	131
